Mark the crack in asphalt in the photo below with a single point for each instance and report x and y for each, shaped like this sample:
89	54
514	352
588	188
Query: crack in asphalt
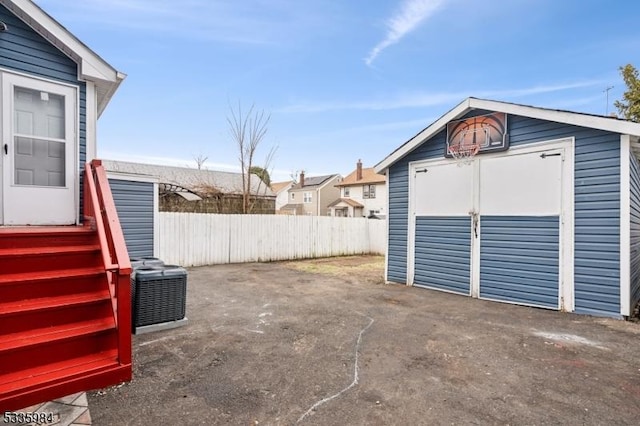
355	374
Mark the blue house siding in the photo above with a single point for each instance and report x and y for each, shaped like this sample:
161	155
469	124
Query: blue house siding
597	207
23	50
134	203
635	231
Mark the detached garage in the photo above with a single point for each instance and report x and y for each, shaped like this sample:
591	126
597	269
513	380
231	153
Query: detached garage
519	204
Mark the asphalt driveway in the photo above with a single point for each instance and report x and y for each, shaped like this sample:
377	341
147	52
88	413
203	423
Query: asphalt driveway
325	342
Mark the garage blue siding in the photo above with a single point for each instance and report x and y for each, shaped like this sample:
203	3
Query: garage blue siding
635	231
597	207
399	206
134	203
443	253
25	51
520	259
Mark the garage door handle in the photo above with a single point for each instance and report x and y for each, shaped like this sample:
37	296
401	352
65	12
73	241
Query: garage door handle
545	155
475	225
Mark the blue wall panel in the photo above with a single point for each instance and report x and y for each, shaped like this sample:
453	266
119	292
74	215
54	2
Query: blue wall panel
25	51
597	207
635	231
134	203
520	259
443	253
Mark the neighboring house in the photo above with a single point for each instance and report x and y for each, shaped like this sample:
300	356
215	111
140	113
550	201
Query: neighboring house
312	195
363	193
547	213
281	189
183	189
65	289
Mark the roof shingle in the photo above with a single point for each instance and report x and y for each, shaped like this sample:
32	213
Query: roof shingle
192	179
369	176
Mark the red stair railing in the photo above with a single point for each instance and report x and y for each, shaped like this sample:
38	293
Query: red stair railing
100	212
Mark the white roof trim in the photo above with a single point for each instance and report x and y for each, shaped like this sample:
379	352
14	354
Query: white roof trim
132	177
90	65
566	117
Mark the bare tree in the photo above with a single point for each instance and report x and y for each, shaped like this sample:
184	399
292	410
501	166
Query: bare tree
294	175
248	130
200	160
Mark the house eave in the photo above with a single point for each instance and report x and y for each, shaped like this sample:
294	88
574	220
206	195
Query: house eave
362	182
91	67
566	117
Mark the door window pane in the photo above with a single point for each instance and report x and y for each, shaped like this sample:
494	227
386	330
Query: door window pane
39	162
39	113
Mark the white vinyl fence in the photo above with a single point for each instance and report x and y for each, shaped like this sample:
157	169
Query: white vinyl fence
192	239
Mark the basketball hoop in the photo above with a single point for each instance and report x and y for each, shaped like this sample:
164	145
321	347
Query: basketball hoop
463	152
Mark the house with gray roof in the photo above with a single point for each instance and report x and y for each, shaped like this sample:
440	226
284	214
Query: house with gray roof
312	196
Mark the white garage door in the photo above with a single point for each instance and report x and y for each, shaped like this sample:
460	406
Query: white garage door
443	228
512	252
520	207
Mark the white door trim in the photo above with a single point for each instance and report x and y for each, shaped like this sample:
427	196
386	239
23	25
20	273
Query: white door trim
566	275
475	237
70	192
411	226
386	255
625	225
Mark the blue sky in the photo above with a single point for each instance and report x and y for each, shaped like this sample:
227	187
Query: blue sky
342	79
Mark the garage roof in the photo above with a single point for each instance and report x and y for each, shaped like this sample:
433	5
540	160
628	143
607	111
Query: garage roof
194	180
601	122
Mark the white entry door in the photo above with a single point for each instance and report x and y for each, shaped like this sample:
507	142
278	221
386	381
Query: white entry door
39	166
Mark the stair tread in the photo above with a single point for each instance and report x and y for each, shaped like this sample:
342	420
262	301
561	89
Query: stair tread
53	302
45	230
47	275
45	335
48	250
49	372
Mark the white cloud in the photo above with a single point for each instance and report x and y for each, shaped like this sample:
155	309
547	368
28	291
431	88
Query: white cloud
411	14
252	22
425	99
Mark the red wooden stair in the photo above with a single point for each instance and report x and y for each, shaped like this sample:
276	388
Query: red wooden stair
65	323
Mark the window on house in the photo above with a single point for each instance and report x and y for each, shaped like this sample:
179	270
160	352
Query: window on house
307	197
346	191
293	195
369	191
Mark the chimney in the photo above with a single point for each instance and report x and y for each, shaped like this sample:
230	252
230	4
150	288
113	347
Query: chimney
302	178
359	170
